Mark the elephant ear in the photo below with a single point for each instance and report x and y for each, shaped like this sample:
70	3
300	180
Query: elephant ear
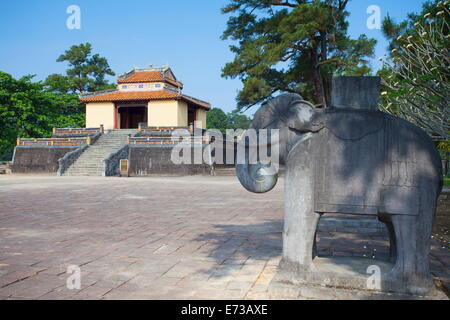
274	109
303	117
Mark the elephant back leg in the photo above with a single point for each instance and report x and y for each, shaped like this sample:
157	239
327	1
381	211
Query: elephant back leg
412	235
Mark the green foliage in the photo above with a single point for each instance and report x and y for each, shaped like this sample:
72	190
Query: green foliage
447	181
398	33
444	147
238	120
28	110
32	109
416	75
86	72
292	47
218	119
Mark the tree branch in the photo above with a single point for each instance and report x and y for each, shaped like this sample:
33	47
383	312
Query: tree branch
284	4
342	4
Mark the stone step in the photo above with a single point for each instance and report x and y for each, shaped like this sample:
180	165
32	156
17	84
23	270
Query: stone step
82	172
94	152
85	171
95	157
84	175
87	168
89	162
105	147
225	172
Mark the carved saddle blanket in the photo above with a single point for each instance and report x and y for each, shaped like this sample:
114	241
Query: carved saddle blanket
365	165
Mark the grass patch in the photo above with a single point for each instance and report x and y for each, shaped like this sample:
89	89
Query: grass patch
447	181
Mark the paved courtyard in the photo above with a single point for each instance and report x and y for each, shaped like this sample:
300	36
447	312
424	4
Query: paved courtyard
151	238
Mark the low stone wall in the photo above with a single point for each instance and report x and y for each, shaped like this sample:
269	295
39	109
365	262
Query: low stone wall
351	224
371	225
156	160
441	226
112	162
39	159
443	207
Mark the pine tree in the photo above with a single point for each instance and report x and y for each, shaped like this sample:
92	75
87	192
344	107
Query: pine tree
86	72
292	46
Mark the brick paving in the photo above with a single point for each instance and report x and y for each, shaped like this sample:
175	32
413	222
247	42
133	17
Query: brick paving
151	238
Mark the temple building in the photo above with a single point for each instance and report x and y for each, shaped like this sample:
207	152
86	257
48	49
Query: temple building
128	131
150	97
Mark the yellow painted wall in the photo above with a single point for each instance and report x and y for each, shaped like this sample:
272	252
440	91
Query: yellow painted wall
160	114
170	113
201	118
100	113
182	114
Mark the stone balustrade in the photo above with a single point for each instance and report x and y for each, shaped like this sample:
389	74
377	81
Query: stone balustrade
54	141
76	132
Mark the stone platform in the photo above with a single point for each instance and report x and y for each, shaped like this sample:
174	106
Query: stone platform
153	238
342	278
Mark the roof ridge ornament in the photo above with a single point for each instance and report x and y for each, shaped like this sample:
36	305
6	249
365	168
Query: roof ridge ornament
151	68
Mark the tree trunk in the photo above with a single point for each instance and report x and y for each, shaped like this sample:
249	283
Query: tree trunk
326	82
327	90
319	96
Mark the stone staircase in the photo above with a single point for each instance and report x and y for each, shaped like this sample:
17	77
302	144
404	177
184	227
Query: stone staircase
90	163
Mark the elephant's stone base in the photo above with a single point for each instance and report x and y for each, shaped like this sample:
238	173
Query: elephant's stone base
342	278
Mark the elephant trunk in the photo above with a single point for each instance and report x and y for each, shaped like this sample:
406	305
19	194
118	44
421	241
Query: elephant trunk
256	177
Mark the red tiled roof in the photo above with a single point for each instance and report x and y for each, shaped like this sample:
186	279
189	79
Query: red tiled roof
121	96
139	77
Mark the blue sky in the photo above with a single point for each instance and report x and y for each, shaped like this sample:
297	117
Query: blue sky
185	34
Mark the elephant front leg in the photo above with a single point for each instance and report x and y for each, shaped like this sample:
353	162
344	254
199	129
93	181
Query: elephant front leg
299	241
300	218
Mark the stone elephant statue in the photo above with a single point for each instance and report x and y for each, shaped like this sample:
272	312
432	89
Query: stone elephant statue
352	161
